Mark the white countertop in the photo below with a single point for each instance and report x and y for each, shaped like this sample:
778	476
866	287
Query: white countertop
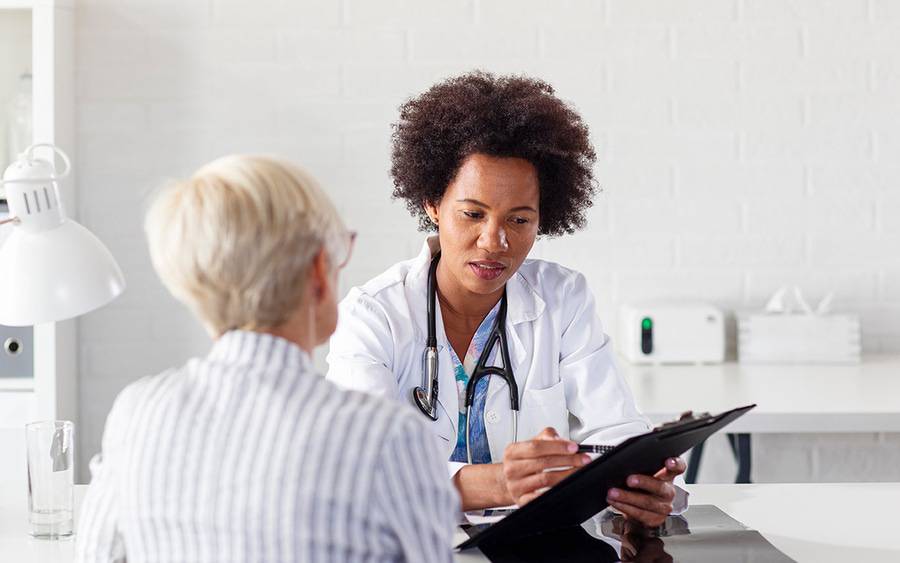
15	543
818	523
789	398
821	523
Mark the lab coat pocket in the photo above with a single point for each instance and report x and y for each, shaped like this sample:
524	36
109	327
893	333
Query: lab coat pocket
542	408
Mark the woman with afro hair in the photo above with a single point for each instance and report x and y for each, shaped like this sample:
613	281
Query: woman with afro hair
490	163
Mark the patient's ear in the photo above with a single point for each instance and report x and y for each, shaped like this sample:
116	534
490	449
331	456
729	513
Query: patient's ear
320	275
324	293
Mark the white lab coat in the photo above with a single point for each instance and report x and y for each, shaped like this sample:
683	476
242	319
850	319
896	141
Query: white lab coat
562	359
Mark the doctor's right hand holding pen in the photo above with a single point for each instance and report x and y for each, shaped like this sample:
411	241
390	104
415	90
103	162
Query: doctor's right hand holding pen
525	465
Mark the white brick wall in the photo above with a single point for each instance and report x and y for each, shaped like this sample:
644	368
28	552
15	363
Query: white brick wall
743	144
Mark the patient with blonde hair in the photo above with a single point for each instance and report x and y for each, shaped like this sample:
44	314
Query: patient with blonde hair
246	454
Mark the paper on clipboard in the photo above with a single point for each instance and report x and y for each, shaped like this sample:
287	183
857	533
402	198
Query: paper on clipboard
488	515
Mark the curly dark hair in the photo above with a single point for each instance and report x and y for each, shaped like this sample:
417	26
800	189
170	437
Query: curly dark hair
503	116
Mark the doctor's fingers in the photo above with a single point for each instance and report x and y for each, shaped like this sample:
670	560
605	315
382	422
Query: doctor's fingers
645	517
548	433
539	448
674	467
517	469
525	499
537	481
656	487
643	501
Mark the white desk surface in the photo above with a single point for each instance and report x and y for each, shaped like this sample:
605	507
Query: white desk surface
800	398
820	523
817	523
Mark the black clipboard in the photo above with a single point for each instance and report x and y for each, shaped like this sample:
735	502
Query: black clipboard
583	494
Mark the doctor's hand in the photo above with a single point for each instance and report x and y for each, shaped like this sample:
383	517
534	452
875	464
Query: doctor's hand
650	500
525	463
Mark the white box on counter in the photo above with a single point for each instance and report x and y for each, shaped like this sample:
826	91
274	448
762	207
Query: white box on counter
799	338
672	332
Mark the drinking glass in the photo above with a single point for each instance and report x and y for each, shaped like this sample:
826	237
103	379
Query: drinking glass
50	478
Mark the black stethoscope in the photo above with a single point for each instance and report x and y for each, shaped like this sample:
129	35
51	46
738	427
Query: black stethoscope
425	396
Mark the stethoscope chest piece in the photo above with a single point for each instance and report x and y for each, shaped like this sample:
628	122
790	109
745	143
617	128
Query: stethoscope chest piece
420	396
426	397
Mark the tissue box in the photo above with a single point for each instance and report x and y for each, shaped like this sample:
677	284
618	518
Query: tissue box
790	338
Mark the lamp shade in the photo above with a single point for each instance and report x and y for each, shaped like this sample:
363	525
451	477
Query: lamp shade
55	274
51	268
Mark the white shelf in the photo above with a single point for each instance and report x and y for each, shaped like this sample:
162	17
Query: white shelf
17	408
16	384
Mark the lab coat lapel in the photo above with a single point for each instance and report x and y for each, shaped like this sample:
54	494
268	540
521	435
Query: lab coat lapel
524	306
417	289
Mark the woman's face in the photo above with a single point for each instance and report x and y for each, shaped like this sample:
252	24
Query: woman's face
487	221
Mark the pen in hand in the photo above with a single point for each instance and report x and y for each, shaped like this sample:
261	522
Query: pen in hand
594	449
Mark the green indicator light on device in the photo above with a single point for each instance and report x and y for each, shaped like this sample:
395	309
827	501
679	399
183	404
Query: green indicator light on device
647	324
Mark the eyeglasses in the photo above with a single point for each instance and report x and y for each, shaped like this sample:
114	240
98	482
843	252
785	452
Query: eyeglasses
347	249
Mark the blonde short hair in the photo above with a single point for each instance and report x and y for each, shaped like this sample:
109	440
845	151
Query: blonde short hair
235	241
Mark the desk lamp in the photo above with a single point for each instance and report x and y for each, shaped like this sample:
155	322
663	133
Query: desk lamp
51	268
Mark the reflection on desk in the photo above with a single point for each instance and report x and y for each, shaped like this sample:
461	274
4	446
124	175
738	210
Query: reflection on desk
704	535
816	523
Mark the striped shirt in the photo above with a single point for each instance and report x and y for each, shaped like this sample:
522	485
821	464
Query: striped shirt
248	455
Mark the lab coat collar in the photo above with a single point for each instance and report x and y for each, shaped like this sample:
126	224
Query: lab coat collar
524	302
